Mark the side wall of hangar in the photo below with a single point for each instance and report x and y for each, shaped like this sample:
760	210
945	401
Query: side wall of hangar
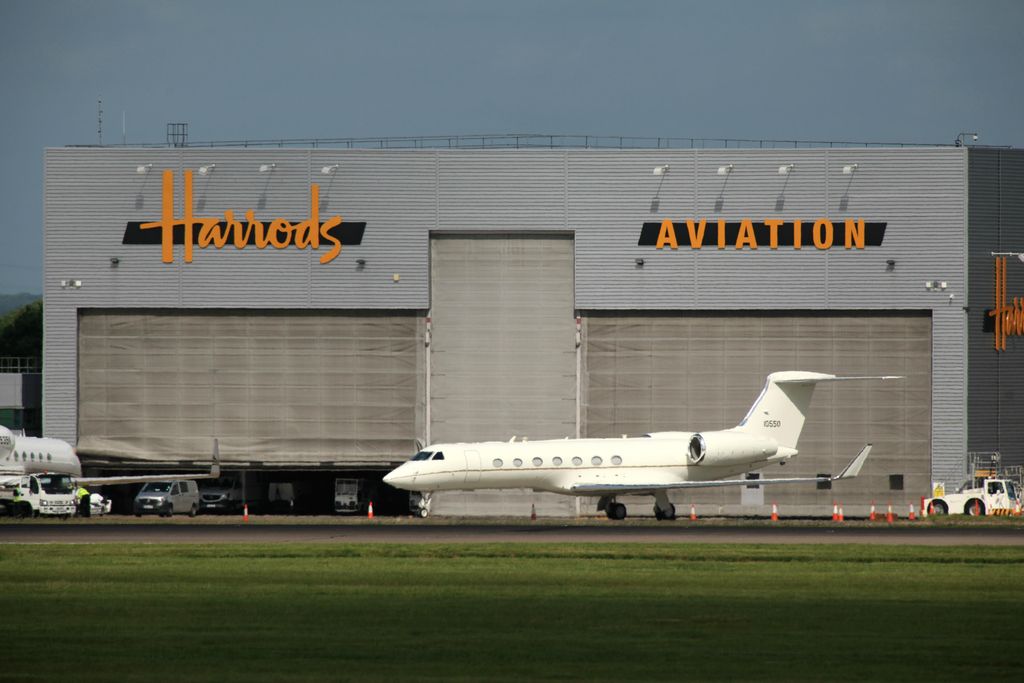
456	315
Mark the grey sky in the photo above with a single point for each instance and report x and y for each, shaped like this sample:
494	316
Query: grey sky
869	71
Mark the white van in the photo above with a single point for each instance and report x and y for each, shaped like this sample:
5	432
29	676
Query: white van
164	498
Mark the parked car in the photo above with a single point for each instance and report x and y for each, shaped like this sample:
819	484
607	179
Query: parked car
165	498
221	495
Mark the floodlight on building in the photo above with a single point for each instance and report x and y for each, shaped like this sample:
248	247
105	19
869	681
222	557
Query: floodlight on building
267	168
786	169
850	169
960	138
329	170
143	169
661	170
725	170
207	169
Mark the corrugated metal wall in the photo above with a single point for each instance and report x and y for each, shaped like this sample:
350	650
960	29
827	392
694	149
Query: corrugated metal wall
602	197
996	224
503	352
324	388
701	372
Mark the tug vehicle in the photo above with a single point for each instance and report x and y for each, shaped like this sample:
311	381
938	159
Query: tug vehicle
992	497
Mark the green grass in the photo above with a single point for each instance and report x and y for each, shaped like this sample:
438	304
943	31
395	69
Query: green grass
510	612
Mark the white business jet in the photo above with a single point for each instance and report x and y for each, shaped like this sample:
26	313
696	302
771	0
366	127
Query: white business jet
21	455
654	464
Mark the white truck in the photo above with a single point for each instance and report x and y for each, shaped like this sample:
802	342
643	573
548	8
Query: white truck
33	495
994	496
348	496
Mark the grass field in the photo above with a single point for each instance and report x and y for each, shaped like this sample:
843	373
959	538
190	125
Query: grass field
510	612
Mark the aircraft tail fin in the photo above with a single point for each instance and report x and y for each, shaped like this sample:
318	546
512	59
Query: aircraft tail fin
781	409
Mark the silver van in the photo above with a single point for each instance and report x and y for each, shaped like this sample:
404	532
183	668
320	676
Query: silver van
164	498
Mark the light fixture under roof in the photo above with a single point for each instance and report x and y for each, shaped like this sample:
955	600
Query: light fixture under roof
661	170
207	169
725	170
143	169
850	169
329	169
267	168
786	169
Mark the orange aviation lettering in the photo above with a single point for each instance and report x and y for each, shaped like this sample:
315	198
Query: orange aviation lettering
667	235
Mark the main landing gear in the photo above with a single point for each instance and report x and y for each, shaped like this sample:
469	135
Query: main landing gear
613	510
663	508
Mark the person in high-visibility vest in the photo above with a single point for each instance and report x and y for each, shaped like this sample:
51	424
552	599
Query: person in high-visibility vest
84	509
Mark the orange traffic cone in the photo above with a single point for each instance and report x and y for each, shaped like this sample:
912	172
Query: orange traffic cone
1016	509
888	515
872	515
245	512
841	518
912	517
693	512
977	510
533	512
835	511
931	509
775	512
369	511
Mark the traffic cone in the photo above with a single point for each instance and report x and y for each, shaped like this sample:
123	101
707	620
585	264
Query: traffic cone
693	512
775	512
912	517
369	511
1016	509
977	510
841	512
533	512
245	512
888	515
835	511
872	515
931	509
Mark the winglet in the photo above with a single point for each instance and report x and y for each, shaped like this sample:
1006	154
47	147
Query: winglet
853	469
215	467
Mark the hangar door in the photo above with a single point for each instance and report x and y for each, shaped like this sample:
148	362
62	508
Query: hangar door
702	371
278	387
503	351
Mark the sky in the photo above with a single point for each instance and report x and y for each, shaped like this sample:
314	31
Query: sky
907	71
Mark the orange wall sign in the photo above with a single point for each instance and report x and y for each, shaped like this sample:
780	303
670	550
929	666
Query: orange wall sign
821	233
202	232
1009	317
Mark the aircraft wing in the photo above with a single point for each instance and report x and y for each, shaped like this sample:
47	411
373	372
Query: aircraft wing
849	472
143	478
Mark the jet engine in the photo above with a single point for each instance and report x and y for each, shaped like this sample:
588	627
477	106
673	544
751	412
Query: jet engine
6	442
729	448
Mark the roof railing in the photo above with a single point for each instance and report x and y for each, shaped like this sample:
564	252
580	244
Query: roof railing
532	141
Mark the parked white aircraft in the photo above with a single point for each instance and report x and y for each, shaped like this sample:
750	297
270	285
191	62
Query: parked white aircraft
654	464
21	455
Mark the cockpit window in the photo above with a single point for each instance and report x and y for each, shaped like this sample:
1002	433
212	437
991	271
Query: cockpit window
422	455
438	456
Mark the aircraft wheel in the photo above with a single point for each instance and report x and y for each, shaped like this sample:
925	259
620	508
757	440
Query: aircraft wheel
616	511
670	514
423	513
658	514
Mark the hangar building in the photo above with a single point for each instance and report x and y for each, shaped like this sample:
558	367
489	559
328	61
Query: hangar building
490	293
